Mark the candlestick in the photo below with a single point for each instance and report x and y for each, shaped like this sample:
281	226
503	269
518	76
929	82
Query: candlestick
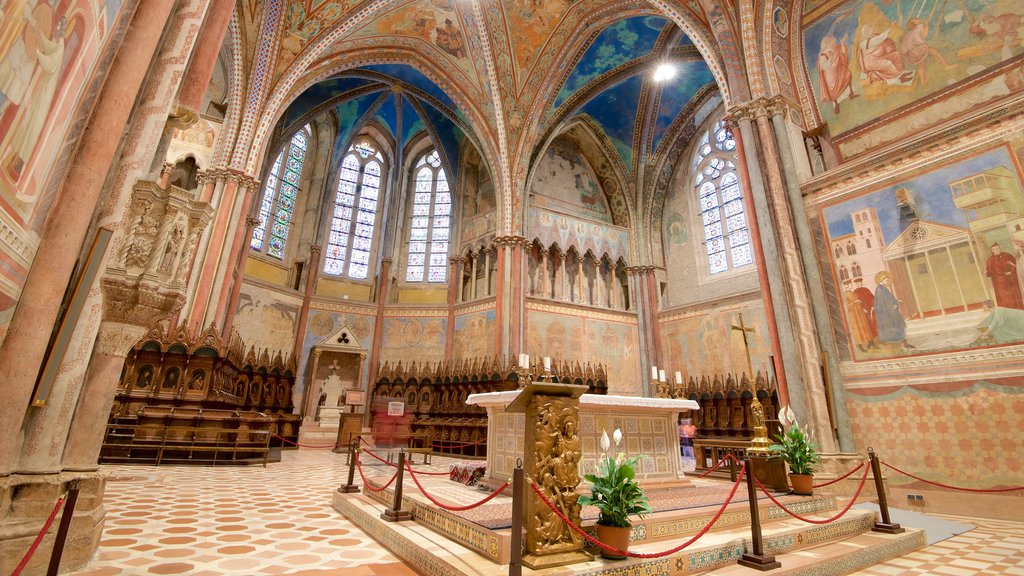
661	375
654	372
547	363
679	377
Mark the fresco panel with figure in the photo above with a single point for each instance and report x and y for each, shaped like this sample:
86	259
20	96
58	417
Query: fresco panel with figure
866	59
933	262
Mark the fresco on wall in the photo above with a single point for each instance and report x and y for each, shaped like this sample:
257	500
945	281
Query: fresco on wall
553	228
866	59
47	49
413	340
615	344
265	319
704	343
322	323
474	334
933	262
564	181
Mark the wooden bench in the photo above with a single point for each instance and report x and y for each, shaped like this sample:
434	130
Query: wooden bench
181	445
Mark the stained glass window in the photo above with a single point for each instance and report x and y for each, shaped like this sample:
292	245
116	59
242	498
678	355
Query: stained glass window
430	223
355	212
726	235
279	195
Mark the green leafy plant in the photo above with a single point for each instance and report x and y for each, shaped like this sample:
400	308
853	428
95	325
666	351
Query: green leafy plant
615	492
797	449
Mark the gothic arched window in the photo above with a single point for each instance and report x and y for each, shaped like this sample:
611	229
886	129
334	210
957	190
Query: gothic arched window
355	211
279	194
726	235
430	225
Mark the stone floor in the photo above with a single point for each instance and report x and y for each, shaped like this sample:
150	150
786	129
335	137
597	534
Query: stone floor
250	520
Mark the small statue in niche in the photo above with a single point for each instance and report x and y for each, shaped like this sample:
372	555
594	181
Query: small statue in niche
171	379
171	250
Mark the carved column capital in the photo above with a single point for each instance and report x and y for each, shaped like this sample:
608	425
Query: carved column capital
252	222
182	117
314	249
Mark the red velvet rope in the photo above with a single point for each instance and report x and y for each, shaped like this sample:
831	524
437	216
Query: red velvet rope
453	508
366	484
393	465
953	487
827	520
618	552
843	477
283	439
39	538
719	465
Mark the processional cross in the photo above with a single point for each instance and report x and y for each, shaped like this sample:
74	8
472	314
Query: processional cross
760	442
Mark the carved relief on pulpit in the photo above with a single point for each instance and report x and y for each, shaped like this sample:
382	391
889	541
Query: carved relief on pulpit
557	446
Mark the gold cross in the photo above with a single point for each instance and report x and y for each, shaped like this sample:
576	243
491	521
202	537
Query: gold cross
746	348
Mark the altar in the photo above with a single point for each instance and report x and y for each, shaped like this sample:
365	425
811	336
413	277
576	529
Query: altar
649	427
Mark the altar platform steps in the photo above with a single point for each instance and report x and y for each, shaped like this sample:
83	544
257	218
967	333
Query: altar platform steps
841	547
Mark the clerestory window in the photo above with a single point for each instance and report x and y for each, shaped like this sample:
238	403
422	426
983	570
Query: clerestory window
279	195
430	223
356	206
726	235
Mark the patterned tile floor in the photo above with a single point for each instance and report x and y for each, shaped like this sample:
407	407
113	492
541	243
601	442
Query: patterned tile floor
994	547
278	520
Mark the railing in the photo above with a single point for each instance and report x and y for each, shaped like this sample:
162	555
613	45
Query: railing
155	444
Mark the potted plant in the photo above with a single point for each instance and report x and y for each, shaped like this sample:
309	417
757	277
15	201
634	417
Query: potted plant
617	495
800	454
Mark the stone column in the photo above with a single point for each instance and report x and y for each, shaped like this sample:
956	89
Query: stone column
312	272
545	291
487	271
616	301
234	263
205	277
204	56
778	109
472	275
580	284
454	292
67	225
378	333
563	277
227	313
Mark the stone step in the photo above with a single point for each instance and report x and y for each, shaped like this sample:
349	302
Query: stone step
829	548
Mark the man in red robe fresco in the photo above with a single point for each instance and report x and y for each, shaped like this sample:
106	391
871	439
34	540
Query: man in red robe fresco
1002	269
834	72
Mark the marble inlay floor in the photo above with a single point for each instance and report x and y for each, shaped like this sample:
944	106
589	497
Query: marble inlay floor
249	520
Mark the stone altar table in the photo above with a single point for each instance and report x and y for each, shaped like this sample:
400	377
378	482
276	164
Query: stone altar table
649	427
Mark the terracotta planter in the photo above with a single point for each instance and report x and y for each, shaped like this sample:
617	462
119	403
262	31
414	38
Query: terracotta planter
802	483
614	536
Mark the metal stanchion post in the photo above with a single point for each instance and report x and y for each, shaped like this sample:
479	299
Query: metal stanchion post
515	563
757	559
886	525
353	453
395	513
62	529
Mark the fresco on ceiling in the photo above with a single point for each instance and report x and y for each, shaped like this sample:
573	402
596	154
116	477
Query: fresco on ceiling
703	343
318	94
387	115
303	20
413	340
676	94
411	121
350	114
614	109
574	338
433	21
933	262
564	181
530	23
615	45
412	76
47	52
474	334
448	133
867	59
321	324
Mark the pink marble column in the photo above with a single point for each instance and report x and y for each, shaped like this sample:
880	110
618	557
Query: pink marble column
231	290
67	225
198	316
312	271
204	56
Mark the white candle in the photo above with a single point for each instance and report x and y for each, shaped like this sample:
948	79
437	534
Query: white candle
654	372
679	377
547	363
661	375
526	360
522	360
